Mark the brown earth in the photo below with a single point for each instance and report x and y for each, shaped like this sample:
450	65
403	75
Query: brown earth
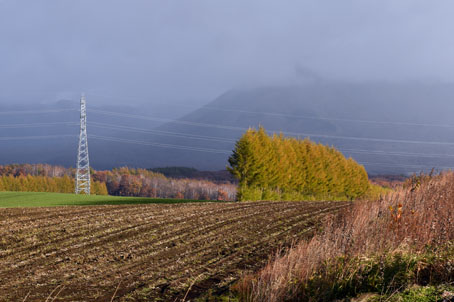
144	253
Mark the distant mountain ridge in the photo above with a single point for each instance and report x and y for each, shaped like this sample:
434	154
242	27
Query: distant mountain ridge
374	118
383	125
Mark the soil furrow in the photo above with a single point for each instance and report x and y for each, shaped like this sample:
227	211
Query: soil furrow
154	257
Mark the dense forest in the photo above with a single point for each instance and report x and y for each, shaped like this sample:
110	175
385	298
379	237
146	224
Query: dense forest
286	168
119	182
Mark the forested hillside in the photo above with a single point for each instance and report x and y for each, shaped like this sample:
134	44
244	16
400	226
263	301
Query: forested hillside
285	168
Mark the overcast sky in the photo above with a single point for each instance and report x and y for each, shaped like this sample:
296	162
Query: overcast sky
194	50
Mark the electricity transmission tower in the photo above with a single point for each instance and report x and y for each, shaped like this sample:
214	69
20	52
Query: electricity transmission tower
83	164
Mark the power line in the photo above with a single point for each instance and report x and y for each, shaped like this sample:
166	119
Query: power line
298	116
167	120
35	111
36	137
191	136
36	125
252	112
200	137
356	138
229	152
213	138
395	153
114	139
159	132
331	118
208	150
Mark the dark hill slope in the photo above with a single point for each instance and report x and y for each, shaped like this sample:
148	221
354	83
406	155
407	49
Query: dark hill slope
347	116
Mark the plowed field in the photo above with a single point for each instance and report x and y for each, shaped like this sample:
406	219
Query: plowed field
160	252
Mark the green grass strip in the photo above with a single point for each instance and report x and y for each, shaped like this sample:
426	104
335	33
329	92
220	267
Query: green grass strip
29	199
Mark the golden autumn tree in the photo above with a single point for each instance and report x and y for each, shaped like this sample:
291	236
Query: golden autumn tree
285	168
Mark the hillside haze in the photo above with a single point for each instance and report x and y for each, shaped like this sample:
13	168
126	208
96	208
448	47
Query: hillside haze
376	120
391	128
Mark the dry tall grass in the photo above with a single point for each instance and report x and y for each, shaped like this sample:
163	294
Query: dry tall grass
411	219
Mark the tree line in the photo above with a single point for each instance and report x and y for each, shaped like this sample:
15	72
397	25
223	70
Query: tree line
286	168
119	182
29	183
141	182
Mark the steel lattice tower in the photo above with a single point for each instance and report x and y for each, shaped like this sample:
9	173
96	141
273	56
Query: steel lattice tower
83	164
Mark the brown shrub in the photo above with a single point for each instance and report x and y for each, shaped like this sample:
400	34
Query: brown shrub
409	219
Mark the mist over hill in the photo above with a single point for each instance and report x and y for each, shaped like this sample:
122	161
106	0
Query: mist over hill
391	128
